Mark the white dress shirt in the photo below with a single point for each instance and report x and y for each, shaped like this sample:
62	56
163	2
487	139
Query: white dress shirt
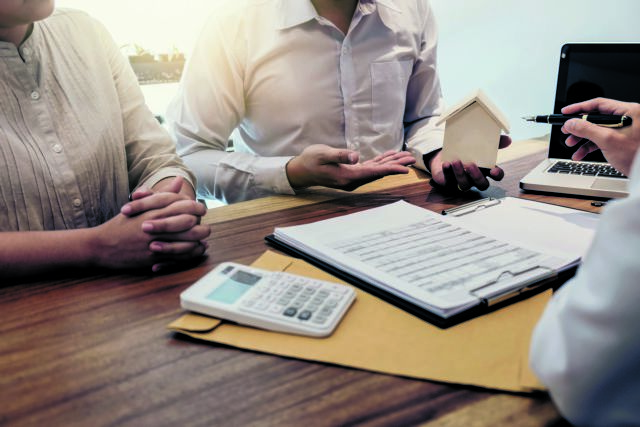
586	347
287	78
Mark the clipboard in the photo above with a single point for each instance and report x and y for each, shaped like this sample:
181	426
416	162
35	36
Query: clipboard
485	307
539	282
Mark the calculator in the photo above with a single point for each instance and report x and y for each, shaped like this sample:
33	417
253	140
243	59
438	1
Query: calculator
275	301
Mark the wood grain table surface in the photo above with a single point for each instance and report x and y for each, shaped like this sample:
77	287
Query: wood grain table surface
92	349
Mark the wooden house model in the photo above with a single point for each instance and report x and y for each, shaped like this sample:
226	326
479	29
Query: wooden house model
472	131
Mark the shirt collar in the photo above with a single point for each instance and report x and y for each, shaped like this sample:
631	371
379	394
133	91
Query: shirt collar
389	12
9	49
296	12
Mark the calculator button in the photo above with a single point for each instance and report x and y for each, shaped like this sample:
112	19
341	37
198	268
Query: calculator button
338	288
296	287
249	303
284	301
277	309
308	291
319	319
303	298
297	304
305	315
290	294
312	307
262	306
323	293
290	312
317	300
331	303
326	311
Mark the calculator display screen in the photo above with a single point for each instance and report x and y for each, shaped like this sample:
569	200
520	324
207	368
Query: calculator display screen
234	287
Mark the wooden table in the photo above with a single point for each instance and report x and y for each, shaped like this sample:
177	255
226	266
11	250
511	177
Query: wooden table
94	350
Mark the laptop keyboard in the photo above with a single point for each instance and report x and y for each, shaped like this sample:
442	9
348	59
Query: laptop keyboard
579	168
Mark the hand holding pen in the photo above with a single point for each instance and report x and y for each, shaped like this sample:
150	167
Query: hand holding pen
619	146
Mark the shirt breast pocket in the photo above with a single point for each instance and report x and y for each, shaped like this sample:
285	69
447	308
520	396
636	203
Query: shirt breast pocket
389	82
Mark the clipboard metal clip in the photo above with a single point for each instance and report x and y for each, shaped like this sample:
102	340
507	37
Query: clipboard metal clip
471	207
532	282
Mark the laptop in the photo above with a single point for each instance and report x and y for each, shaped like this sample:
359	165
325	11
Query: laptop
587	70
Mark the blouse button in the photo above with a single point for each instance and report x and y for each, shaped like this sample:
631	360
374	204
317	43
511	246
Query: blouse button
77	203
57	148
35	95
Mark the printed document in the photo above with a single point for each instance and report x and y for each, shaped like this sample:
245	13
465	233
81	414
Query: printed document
446	264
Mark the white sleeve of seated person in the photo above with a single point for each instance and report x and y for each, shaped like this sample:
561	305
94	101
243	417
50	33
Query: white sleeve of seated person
424	97
207	109
586	347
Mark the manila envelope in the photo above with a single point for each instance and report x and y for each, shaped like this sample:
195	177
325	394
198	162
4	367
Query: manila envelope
490	351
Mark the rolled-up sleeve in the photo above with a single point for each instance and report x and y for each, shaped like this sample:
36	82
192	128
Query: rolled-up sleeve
208	107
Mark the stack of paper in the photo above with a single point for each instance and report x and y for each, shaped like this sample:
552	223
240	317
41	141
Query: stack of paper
448	264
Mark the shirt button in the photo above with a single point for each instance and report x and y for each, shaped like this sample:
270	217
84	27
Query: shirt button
77	203
57	148
35	95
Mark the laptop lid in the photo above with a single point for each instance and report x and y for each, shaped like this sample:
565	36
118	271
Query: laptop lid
592	70
586	71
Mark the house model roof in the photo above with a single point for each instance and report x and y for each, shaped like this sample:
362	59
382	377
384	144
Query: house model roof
483	100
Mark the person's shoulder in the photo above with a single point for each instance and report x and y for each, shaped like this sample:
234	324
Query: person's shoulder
406	15
65	15
239	19
75	27
404	5
407	9
72	21
224	9
422	7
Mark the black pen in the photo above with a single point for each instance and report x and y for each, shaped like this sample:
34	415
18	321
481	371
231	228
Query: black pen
604	120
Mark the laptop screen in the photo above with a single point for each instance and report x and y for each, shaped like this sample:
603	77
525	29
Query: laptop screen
589	71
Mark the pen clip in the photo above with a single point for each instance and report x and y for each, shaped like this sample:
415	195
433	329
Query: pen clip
620	124
471	207
624	121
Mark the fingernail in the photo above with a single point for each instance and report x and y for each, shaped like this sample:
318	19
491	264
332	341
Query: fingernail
352	158
147	227
126	209
156	267
155	246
